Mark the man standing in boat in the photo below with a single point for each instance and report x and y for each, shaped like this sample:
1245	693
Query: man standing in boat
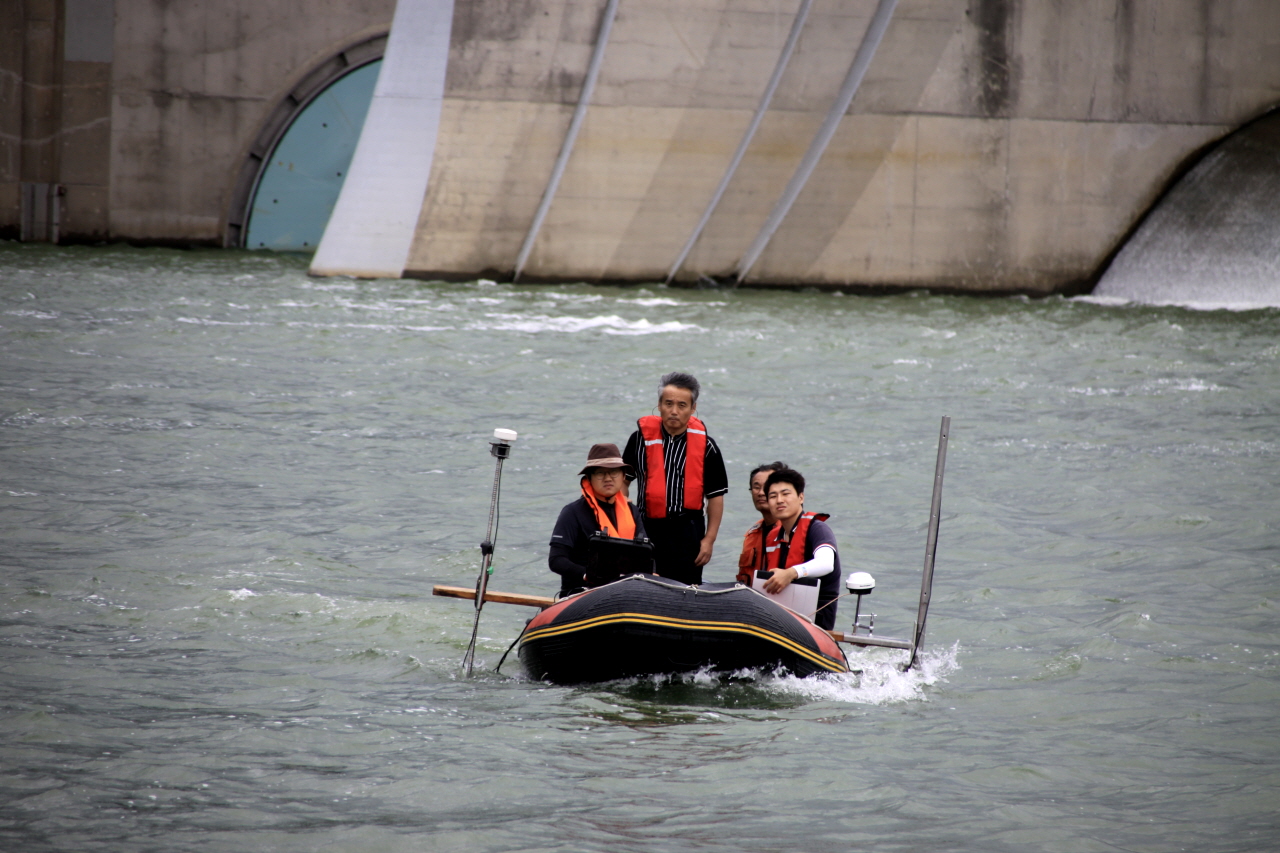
602	507
801	548
681	472
752	557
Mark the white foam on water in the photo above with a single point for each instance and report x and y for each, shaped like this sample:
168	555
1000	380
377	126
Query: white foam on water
567	297
651	301
374	327
39	315
204	321
877	678
330	286
1236	305
611	324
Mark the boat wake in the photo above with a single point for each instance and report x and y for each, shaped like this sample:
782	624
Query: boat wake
877	678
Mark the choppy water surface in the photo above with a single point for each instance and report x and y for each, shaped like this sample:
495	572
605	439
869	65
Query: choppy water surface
228	489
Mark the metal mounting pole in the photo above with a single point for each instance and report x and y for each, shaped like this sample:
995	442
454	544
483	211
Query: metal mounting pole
500	448
931	545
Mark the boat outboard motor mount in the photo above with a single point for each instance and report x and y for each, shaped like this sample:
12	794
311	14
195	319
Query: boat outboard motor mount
860	584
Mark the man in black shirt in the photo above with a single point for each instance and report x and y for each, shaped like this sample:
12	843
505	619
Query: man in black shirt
602	506
681	473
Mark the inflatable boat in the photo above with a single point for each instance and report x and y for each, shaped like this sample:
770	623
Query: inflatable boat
642	624
645	625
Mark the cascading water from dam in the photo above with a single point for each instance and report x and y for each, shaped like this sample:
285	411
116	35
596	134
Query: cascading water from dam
1214	240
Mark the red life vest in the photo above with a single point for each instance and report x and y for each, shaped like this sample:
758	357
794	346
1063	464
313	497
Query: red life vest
655	468
799	536
752	554
626	527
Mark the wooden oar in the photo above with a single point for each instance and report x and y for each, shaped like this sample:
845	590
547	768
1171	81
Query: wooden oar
540	601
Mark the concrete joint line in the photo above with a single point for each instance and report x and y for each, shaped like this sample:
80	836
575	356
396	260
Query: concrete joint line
566	148
861	61
797	24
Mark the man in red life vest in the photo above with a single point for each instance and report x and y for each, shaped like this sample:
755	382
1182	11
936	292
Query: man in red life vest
752	557
602	506
681	473
800	548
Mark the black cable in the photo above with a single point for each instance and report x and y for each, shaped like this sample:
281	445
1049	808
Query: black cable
497	508
502	659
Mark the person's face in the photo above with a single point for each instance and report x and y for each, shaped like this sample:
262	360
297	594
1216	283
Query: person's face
675	405
758	497
606	482
784	502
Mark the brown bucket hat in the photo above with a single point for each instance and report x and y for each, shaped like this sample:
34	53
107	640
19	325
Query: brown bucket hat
605	456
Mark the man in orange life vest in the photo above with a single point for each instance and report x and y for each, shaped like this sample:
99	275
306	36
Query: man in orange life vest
680	471
602	506
801	548
752	556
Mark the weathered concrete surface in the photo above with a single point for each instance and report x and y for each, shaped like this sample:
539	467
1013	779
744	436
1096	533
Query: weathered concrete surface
145	113
995	145
192	83
12	38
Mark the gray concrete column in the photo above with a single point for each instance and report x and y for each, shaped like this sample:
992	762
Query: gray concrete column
372	226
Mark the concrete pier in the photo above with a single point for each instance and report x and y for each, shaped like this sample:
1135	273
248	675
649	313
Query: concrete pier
993	145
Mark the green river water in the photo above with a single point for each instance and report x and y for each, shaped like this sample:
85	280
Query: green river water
226	490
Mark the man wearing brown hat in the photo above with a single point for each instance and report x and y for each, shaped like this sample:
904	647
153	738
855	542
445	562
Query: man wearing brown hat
602	507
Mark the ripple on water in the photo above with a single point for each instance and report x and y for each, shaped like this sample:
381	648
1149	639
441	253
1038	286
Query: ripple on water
222	525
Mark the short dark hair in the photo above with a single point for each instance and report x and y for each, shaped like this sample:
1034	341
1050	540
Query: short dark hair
681	380
772	466
786	475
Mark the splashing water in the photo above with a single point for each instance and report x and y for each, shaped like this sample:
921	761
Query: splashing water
876	678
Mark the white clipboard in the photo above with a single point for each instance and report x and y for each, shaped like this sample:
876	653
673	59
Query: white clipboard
797	597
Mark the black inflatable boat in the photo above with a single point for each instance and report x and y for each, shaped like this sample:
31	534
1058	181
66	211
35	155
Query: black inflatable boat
643	625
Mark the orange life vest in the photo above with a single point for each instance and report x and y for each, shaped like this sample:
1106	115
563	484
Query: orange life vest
799	536
655	469
752	554
626	526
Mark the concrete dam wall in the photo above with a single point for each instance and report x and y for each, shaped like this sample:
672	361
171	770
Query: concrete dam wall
988	146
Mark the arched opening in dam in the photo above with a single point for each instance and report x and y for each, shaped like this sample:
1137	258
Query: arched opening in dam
1212	240
291	179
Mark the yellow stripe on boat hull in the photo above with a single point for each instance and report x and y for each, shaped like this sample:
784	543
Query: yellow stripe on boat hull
673	622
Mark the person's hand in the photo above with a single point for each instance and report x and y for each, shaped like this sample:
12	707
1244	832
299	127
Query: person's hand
781	579
704	552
